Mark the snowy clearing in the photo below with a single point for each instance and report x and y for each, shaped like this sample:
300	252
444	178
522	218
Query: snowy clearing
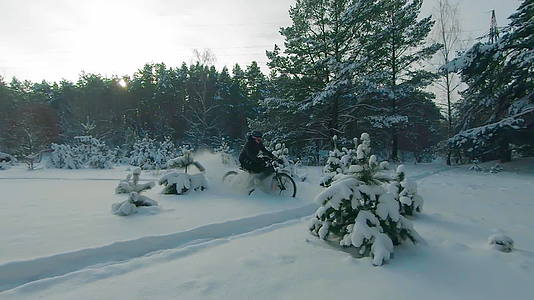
221	243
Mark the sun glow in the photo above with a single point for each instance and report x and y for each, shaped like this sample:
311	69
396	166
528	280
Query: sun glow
123	83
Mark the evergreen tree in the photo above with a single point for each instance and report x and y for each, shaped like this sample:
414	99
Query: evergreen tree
357	211
398	48
334	165
499	78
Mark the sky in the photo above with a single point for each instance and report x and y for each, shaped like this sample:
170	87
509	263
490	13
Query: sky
55	39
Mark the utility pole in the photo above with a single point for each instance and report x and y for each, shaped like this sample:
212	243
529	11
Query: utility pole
494	31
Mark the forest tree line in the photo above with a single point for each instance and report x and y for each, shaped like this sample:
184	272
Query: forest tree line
346	67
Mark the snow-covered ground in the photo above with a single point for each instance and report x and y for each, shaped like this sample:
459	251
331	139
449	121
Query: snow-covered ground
59	241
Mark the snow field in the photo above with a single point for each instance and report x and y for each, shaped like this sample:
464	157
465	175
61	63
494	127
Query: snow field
42	217
263	261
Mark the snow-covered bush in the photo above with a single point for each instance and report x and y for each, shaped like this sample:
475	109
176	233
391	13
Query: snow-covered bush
478	142
497	168
131	183
150	154
501	242
64	157
124	208
129	206
184	161
94	153
405	192
350	155
87	151
181	183
286	164
6	161
357	210
333	165
475	166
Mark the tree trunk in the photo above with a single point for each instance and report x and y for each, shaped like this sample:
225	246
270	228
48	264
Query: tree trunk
394	145
334	117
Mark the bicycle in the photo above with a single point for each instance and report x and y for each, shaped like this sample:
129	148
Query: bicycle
281	183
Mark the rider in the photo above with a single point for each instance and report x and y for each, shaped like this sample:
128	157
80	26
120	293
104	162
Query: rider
249	155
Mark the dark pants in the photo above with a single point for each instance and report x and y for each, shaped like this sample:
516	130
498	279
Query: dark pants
256	166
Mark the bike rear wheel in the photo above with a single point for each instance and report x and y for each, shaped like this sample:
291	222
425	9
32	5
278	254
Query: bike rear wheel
284	185
229	176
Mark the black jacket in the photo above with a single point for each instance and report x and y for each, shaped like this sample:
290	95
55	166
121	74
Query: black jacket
249	153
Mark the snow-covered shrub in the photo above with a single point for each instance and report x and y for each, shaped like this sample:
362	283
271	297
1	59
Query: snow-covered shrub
333	165
350	155
480	141
129	206
405	192
496	169
131	183
501	242
64	157
475	166
121	155
184	161
286	164
93	152
181	183
124	208
298	171
150	154
357	210
6	161
141	200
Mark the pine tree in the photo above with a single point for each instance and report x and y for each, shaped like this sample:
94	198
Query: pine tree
357	211
499	78
398	47
334	165
64	157
94	153
405	192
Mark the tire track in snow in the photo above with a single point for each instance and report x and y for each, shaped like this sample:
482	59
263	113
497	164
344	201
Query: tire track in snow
17	273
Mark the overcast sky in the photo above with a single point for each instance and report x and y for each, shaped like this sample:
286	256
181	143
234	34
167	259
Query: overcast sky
54	39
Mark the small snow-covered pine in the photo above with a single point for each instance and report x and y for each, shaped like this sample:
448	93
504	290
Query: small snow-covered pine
149	154
350	155
94	153
6	161
130	205
357	210
185	161
181	183
405	191
64	157
333	165
285	164
475	166
131	183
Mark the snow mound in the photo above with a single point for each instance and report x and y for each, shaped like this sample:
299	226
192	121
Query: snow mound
501	242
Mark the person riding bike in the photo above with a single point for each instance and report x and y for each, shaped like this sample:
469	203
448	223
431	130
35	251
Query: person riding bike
249	160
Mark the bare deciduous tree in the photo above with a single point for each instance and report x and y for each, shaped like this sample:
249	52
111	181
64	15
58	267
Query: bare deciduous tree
447	32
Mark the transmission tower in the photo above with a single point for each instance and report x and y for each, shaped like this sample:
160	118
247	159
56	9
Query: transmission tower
494	31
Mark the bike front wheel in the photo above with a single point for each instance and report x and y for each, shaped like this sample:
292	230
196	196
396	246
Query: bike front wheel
284	185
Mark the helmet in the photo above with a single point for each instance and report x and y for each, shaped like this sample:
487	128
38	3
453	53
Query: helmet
256	133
